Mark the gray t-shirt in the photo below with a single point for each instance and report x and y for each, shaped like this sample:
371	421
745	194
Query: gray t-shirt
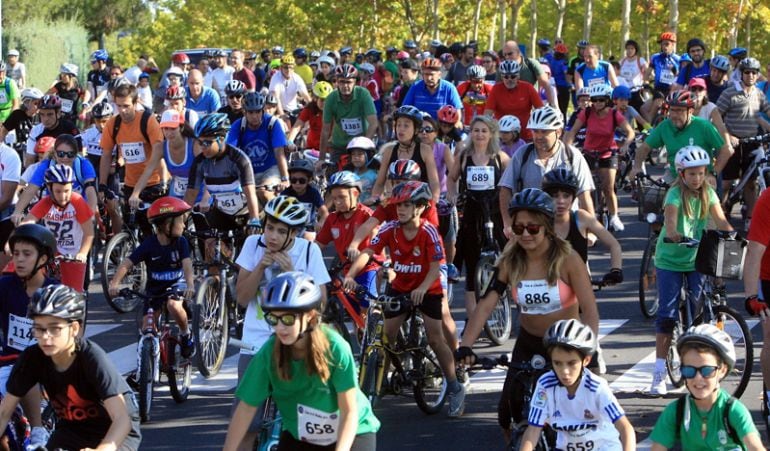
533	170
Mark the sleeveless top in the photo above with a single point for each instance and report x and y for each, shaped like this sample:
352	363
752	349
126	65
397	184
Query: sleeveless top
438	155
576	239
536	297
416	157
180	172
480	178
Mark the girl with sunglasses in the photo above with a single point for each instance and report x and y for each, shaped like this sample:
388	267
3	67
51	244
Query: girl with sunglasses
310	372
707	417
547	279
300	177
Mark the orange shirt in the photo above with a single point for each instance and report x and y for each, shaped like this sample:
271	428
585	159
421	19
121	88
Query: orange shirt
135	150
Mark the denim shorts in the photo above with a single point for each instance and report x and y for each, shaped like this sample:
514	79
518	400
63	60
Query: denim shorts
669	288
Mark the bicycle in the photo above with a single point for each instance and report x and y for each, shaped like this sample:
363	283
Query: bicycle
757	172
626	162
342	305
498	325
16	436
600	203
414	362
652	193
709	306
160	353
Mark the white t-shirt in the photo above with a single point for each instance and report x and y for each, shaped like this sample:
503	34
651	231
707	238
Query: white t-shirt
219	78
305	256
132	74
630	75
588	416
10	169
287	90
145	96
91	138
705	111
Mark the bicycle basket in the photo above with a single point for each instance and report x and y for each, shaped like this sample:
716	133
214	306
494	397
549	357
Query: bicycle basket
720	256
651	197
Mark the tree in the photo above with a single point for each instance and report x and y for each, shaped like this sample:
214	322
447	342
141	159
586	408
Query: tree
589	16
625	24
673	18
561	11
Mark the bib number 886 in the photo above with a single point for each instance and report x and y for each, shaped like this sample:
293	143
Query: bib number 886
587	446
537	298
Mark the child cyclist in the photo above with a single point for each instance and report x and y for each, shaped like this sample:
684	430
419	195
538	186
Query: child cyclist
578	405
415	246
70	219
166	254
360	152
94	406
707	417
510	134
301	175
310	372
687	207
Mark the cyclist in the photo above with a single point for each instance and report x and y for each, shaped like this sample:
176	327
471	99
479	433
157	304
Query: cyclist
348	112
536	265
16	69
234	92
9	93
97	78
587	408
547	152
69	91
716	82
302	69
202	99
221	74
699	66
416	274
736	55
262	139
513	97
600	148
51	124
263	258
70	219
21	120
687	208
708	350
179	152
408	71
664	64
705	109
32	247
289	88
43	149
312	115
458	72
94	406
366	79
510	134
360	156
166	255
474	92
300	176
594	71
632	69
450	131
480	163
176	98
574	62
431	93
241	73
530	70
621	97
583	97
309	371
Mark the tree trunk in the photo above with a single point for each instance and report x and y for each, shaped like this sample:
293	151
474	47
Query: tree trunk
589	16
625	25
673	19
732	35
503	21
561	10
516	8
435	19
532	29
492	30
409	16
476	17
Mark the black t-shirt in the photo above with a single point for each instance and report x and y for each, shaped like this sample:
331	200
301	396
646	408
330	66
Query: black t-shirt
15	302
21	122
99	78
77	394
164	263
64	126
231	114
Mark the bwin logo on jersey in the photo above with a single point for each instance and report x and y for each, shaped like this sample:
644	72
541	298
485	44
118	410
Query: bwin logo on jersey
408	269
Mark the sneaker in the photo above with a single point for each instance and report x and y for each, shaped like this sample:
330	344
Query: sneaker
457	402
38	437
616	224
462	376
452	273
658	387
187	346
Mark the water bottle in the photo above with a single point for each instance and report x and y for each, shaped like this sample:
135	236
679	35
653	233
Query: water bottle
150	320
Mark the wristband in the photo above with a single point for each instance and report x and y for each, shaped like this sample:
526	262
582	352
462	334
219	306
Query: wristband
103	187
284	178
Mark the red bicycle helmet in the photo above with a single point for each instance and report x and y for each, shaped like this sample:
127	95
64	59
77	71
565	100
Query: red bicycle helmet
667	36
346	71
180	58
448	114
415	192
680	98
167	207
404	170
431	64
175	93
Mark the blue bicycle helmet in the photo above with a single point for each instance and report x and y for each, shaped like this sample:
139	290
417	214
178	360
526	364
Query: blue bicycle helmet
560	178
621	92
254	101
344	179
532	199
59	173
720	62
100	55
215	124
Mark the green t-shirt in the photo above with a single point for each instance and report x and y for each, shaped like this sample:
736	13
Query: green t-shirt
717	438
699	132
8	92
348	118
673	256
303	395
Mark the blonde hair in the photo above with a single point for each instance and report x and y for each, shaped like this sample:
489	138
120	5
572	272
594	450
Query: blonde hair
493	147
513	260
316	352
688	193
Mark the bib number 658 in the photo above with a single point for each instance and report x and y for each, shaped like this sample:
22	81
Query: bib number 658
315	428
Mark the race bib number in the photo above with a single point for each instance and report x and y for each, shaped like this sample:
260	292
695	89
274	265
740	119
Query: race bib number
179	185
66	105
587	445
353	127
667	77
133	153
3	96
19	332
536	297
595	81
230	203
317	427
628	74
480	178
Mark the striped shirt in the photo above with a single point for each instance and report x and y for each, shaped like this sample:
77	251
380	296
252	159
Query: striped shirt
740	110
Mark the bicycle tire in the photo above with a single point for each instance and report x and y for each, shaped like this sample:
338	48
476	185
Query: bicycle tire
118	249
335	318
210	328
430	387
178	371
498	325
369	373
146	379
729	320
648	283
673	359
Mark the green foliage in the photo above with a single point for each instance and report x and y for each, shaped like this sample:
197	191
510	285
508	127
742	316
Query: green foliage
45	45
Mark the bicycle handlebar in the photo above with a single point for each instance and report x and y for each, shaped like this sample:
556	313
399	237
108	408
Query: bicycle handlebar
659	182
765	138
684	241
125	292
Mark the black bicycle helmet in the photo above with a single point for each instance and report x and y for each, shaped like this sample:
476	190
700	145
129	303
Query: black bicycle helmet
532	199
560	178
409	112
302	165
38	234
215	124
60	301
292	291
571	333
254	101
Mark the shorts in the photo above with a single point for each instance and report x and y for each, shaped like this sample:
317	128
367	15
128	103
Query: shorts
217	219
430	307
610	162
256	422
270	176
670	285
362	442
447	225
368	280
156	303
739	161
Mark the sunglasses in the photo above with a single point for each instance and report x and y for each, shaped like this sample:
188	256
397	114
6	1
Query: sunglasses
750	72
287	320
689	372
300	180
235	96
427	130
207	142
510	76
532	229
600	99
62	154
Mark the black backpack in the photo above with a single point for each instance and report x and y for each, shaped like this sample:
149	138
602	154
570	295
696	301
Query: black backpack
142	126
527	152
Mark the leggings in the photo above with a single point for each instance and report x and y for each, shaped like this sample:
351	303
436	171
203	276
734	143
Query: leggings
362	442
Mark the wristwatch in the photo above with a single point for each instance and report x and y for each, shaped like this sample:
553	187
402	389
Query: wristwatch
284	178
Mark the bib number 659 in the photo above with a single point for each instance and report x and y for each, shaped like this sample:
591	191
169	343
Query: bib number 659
587	446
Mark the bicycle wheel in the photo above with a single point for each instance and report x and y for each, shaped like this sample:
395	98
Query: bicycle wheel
430	387
117	250
673	360
146	379
369	373
648	282
498	325
334	316
178	371
729	320
210	328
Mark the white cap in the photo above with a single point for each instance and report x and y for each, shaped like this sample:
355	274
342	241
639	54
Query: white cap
13	52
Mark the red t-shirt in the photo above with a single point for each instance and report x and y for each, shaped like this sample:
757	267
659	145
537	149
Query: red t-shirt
387	212
411	258
760	232
341	231
518	101
314	118
65	223
600	133
473	102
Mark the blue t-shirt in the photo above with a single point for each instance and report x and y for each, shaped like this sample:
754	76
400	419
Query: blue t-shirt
559	72
690	72
207	103
666	69
257	144
764	86
83	169
164	263
598	75
312	200
15	302
446	94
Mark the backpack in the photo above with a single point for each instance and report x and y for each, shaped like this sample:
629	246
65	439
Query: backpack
527	152
612	112
725	420
582	68
270	126
142	126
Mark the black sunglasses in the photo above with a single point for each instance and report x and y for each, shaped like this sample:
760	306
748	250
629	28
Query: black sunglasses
511	76
207	142
532	229
62	154
707	371
751	72
427	130
287	320
235	96
301	180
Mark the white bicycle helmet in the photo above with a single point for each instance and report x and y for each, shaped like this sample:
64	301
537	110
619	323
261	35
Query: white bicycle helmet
292	291
713	337
367	67
31	93
509	123
600	90
288	210
510	67
68	69
545	118
691	157
327	60
584	91
572	334
476	72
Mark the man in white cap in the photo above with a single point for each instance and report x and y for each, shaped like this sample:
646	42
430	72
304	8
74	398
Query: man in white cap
16	70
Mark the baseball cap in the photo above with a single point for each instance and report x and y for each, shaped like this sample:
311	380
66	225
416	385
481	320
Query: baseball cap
13	52
697	82
171	119
44	144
